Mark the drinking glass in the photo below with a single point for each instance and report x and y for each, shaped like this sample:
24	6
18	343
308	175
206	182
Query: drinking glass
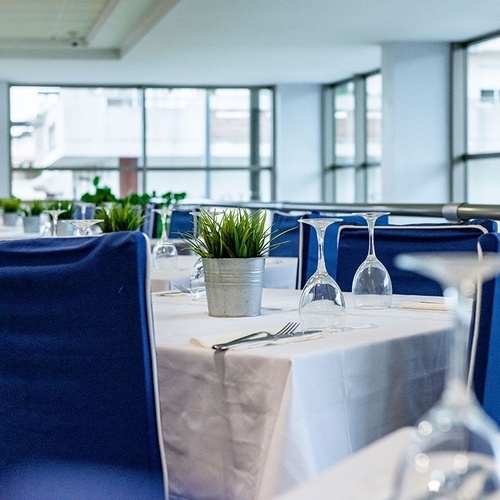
83	225
454	450
164	251
197	281
322	303
372	286
55	213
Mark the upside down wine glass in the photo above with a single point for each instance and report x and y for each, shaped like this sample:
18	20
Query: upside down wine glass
83	225
55	213
164	251
372	286
454	449
322	304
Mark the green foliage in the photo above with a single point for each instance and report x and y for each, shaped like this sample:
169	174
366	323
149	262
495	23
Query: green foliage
101	195
33	208
119	217
11	205
237	233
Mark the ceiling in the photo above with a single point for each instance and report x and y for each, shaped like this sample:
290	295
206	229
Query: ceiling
221	42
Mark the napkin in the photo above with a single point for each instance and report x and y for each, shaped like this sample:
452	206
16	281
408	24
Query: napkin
425	305
210	340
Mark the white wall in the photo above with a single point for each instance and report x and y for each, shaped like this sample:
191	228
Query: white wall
415	129
298	143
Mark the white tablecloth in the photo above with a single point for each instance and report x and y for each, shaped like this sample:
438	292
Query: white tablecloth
280	272
368	474
256	423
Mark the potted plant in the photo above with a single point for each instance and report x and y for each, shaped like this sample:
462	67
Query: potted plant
118	217
232	245
11	207
31	212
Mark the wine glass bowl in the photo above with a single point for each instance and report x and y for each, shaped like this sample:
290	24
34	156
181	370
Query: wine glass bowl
372	285
55	213
83	225
322	303
454	451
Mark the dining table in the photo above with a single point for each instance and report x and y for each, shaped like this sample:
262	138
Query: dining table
257	421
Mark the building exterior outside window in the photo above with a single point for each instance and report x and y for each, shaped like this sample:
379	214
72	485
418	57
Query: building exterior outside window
210	142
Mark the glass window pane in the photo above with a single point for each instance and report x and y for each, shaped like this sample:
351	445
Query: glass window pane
345	185
74	128
175	127
374	118
230	186
374	184
230	127
344	124
483	181
266	127
190	182
483	97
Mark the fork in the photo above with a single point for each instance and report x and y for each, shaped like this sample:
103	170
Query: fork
288	329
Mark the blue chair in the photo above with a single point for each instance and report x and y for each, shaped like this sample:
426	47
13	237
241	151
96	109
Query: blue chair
83	210
151	220
485	344
308	257
77	357
392	240
181	222
287	244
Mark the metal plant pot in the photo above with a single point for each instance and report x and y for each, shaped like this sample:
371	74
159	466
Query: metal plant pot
234	286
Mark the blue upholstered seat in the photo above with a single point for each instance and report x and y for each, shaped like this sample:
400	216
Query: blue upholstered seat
77	357
288	243
394	240
181	222
486	344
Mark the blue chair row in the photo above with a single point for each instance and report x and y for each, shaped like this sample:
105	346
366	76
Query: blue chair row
346	247
77	359
182	221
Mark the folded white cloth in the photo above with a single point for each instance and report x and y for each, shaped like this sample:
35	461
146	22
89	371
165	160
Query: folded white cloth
210	340
425	305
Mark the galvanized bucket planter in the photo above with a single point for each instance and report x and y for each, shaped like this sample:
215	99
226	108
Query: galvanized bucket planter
234	286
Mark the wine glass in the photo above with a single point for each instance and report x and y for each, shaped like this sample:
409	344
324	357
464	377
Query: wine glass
197	281
164	251
55	213
322	303
372	286
454	450
83	225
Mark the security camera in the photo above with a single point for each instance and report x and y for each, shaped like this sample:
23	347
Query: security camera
75	42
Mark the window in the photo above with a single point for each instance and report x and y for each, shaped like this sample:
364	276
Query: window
476	134
352	142
211	143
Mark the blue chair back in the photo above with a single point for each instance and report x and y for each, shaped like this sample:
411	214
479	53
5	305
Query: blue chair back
83	210
287	243
150	223
77	356
394	240
485	345
182	221
308	258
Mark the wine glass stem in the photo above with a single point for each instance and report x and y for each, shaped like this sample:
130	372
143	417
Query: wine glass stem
321	246
164	226
456	378
371	244
54	225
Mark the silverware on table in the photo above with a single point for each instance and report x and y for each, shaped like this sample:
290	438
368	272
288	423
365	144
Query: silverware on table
288	331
